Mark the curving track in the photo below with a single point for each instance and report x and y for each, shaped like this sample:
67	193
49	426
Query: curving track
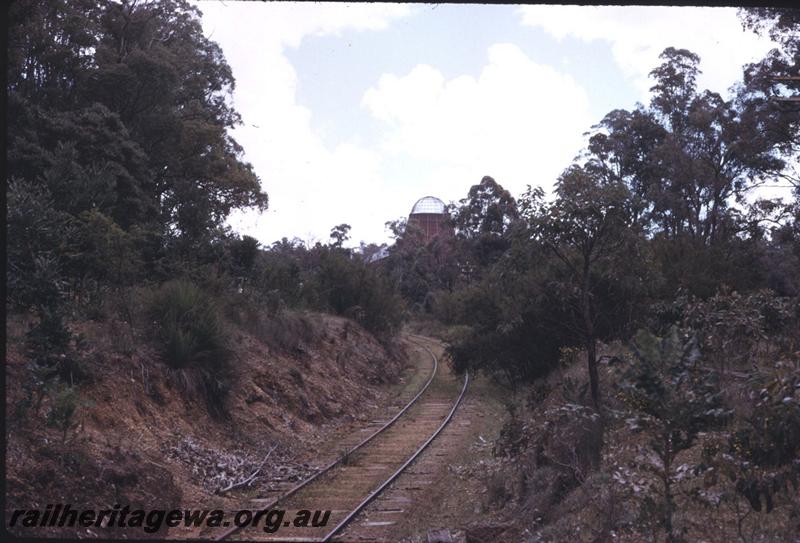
348	484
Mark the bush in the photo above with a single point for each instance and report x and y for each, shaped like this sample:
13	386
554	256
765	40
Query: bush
734	328
345	285
193	336
517	350
35	231
62	412
672	398
762	450
48	345
189	325
101	251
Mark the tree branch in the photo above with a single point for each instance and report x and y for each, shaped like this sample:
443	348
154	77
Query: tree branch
250	478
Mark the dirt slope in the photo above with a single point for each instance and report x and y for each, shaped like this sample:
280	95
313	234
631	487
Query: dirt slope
144	439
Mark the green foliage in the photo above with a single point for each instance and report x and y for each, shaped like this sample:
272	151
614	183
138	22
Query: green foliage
517	353
668	387
686	157
646	214
560	451
122	110
194	340
733	328
671	397
49	338
169	83
35	233
487	209
419	269
289	275
189	326
102	252
426	269
777	120
66	402
244	252
771	436
589	230
515	317
761	451
481	220
340	234
348	286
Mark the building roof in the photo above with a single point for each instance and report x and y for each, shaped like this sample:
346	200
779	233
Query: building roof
380	254
428	204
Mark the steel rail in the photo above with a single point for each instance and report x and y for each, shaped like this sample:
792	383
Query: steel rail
289	493
375	493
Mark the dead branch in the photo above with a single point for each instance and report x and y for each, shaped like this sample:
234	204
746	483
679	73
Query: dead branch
252	476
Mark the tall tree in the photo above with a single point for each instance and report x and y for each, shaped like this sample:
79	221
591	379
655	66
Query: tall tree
771	87
171	85
487	209
124	108
420	268
587	227
686	157
481	221
689	159
340	234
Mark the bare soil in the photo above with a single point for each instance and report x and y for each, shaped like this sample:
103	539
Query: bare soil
142	438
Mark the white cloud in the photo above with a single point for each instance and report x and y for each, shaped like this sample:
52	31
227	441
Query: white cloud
303	177
519	121
639	34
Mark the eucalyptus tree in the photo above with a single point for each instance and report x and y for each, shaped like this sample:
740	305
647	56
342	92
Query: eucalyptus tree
481	221
588	228
124	108
690	159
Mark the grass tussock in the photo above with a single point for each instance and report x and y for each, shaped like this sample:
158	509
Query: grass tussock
189	325
193	338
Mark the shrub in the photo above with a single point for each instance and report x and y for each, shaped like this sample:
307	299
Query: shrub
671	398
62	412
49	347
733	328
762	450
34	229
101	251
189	325
516	351
349	287
193	336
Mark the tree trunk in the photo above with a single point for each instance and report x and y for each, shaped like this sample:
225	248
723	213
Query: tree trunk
669	503
591	347
591	363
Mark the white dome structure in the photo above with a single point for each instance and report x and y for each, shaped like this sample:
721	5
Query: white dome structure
428	204
429	214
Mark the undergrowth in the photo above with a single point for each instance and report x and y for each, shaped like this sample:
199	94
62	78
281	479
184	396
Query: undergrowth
194	339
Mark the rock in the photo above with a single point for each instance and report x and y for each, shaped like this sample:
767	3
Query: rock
439	536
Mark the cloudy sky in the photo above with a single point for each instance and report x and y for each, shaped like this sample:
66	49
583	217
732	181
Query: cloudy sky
354	111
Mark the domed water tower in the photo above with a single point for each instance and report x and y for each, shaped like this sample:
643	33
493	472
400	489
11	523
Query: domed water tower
430	216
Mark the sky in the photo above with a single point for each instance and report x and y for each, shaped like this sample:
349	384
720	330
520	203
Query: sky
352	112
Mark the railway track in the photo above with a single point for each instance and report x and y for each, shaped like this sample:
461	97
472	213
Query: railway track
360	474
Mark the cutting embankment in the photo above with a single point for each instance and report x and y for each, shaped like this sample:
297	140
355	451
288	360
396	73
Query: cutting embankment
140	432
